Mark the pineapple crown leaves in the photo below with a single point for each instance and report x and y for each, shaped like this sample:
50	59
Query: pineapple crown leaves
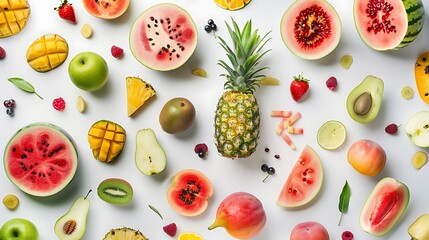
242	73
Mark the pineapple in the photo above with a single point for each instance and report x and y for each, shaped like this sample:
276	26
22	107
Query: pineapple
237	118
124	234
138	93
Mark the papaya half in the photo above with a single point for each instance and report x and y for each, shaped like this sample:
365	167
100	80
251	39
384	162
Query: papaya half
421	74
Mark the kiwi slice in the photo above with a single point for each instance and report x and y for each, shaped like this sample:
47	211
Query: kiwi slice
115	191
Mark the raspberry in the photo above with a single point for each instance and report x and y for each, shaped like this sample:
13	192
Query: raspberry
331	83
2	53
170	229
391	128
116	51
347	235
59	104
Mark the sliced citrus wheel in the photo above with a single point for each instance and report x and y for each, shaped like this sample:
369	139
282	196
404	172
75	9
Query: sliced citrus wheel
331	135
232	4
190	236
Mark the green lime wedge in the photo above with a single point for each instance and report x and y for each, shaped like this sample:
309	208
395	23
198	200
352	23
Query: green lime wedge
331	135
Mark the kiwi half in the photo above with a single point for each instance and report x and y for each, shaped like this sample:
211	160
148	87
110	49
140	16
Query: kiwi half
115	191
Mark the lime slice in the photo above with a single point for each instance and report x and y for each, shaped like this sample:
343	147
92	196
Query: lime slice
331	135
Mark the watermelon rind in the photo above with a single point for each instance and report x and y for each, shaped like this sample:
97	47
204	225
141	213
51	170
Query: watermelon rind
308	192
65	137
415	17
384	187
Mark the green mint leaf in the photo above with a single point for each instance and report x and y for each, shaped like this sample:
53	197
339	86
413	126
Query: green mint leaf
23	85
344	200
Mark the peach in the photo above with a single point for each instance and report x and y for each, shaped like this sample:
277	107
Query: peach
310	230
367	157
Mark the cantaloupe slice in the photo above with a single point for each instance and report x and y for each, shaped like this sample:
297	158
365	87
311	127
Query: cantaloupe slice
138	93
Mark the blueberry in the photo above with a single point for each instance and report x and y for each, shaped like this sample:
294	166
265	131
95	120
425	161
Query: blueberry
210	22
264	167
10	112
207	28
213	26
271	171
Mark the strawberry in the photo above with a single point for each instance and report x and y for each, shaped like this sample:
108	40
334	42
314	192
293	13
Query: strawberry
299	87
66	11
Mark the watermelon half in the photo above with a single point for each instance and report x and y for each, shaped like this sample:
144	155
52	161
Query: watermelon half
303	182
388	24
40	159
311	29
163	37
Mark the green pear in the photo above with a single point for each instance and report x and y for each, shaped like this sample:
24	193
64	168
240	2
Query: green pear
72	225
150	157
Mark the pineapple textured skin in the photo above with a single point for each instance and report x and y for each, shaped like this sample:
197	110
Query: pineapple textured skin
237	124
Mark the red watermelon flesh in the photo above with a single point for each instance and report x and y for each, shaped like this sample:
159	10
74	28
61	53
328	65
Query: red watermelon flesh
40	159
303	182
163	37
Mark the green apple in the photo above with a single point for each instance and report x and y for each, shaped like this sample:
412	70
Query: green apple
88	71
417	129
19	229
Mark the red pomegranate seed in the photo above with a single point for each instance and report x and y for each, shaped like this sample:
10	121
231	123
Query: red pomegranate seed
59	104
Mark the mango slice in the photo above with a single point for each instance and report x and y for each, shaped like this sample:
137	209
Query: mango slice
106	140
14	15
47	52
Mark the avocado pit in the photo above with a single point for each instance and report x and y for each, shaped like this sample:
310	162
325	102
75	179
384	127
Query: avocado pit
363	103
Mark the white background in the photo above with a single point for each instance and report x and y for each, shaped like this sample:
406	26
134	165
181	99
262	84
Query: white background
396	68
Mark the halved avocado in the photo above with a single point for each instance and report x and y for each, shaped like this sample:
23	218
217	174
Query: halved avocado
364	101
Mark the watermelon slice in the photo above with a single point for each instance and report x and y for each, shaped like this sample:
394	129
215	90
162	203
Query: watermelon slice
303	182
40	159
388	24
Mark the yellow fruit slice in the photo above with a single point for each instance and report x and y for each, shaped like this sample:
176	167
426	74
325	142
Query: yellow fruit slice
232	4
419	159
80	104
14	15
346	61
407	92
331	135
199	72
106	140
47	52
190	236
421	75
11	201
86	30
270	81
138	93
